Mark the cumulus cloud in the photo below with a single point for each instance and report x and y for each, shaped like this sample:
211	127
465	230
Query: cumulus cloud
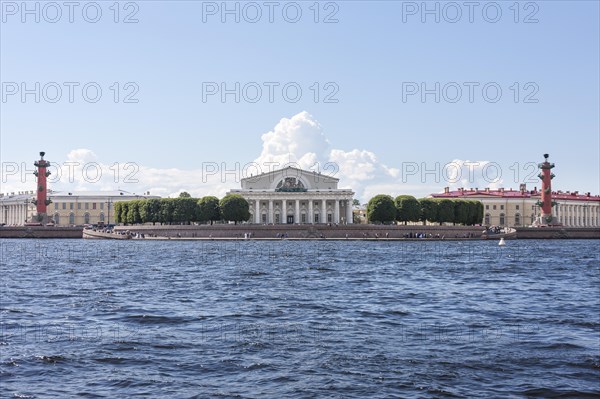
300	141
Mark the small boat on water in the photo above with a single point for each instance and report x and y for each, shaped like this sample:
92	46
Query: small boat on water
502	242
95	234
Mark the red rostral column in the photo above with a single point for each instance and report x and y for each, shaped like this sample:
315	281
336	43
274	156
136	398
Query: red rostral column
42	188
546	203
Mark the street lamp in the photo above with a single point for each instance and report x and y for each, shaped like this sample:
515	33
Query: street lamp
108	203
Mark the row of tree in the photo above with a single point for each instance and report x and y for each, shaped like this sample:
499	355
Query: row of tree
233	207
406	208
185	209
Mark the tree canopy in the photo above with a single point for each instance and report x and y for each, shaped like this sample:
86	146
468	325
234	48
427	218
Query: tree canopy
208	209
429	210
235	208
407	209
381	209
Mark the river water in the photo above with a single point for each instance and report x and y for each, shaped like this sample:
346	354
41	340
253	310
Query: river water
299	319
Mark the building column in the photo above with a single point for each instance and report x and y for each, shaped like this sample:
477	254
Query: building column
283	211
257	211
311	216
270	216
336	211
323	218
349	215
297	216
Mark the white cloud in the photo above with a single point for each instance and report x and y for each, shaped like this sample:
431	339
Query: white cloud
299	140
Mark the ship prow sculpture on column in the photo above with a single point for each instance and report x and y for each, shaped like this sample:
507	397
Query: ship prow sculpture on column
545	203
41	201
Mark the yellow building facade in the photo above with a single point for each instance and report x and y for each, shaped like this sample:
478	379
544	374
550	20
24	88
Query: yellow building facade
66	208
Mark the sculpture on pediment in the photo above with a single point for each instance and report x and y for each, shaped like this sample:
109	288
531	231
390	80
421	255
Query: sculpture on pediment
290	184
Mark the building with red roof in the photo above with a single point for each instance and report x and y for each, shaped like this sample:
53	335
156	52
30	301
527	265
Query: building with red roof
508	207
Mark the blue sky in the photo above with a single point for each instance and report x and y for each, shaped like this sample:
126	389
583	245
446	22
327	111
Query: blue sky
367	62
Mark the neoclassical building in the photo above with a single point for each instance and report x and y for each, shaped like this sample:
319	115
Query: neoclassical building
295	196
508	207
66	208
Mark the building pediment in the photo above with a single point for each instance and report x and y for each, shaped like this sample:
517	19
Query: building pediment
290	179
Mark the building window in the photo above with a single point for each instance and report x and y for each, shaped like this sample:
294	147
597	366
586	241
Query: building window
56	218
86	218
276	218
501	219
93	205
102	205
517	219
487	207
71	206
532	218
264	218
56	205
316	218
316	203
64	205
101	217
303	218
487	219
329	218
517	207
494	207
87	205
79	205
502	207
71	218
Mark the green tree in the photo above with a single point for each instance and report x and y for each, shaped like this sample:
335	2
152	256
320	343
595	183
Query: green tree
461	212
165	214
235	208
208	209
445	211
381	209
185	210
124	212
149	210
479	213
475	212
184	194
407	209
429	210
133	212
117	212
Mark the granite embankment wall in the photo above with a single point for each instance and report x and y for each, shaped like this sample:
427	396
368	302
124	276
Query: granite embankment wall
302	231
558	232
40	232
